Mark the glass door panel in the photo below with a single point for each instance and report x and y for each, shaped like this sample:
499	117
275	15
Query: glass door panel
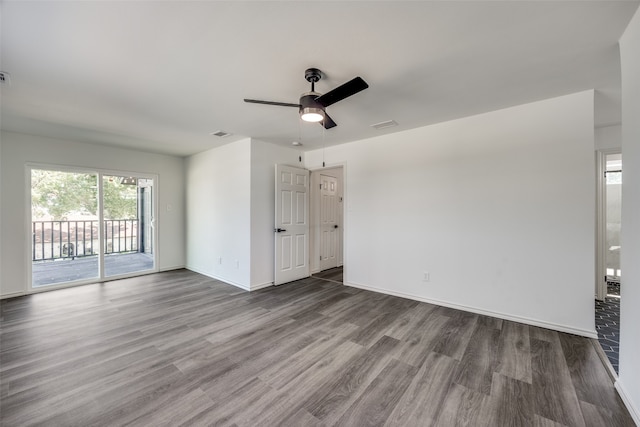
128	224
64	227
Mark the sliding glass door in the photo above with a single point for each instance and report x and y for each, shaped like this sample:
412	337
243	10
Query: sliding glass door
87	226
65	228
128	221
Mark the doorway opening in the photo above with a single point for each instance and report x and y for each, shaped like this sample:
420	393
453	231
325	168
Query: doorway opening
327	223
607	302
88	226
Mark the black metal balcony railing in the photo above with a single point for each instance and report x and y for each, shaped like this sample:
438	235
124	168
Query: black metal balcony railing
72	239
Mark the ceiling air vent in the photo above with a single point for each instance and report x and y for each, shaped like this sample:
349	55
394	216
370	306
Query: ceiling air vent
220	133
384	125
5	78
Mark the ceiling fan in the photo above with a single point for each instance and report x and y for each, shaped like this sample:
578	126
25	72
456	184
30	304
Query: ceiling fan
312	104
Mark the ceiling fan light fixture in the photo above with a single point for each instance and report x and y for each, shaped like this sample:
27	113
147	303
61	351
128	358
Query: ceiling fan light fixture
312	104
312	114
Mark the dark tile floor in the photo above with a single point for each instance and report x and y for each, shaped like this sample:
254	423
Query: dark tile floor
608	323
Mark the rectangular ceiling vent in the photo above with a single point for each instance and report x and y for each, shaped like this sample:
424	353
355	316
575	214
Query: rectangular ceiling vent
220	133
384	125
5	78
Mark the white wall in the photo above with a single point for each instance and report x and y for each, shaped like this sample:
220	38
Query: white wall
264	157
218	203
1	226
608	137
629	380
231	211
498	208
18	150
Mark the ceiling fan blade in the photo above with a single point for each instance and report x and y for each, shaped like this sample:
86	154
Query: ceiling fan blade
351	87
281	104
328	122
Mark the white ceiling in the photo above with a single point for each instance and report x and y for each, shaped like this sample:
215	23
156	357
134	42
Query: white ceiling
161	76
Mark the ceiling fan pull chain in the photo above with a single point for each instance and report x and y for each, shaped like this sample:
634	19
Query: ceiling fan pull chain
323	131
300	140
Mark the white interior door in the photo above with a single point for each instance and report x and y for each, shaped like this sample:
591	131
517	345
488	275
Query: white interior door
292	224
328	222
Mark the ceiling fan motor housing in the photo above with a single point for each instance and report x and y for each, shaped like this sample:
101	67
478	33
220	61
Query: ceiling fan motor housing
310	109
308	100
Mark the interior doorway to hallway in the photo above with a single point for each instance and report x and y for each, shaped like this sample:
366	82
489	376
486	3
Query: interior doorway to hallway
613	206
327	222
608	283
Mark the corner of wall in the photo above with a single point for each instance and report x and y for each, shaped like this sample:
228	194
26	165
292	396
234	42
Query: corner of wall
218	198
629	380
264	157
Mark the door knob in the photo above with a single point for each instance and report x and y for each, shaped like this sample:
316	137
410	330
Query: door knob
279	230
335	226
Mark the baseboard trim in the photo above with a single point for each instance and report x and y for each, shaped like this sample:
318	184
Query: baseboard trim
622	391
86	282
13	295
261	286
179	267
525	320
222	279
605	360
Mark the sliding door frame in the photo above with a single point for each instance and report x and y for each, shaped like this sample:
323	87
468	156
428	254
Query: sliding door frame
100	173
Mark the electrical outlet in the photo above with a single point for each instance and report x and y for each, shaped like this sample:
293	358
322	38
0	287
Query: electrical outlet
425	276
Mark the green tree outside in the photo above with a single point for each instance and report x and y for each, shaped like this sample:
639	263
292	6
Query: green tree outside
62	194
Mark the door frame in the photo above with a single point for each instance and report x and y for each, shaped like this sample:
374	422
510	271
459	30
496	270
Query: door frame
314	248
601	221
281	276
29	166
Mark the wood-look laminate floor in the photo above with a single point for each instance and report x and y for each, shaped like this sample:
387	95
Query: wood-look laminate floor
178	348
333	274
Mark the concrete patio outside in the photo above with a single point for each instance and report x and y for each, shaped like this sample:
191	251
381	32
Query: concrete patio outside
46	273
